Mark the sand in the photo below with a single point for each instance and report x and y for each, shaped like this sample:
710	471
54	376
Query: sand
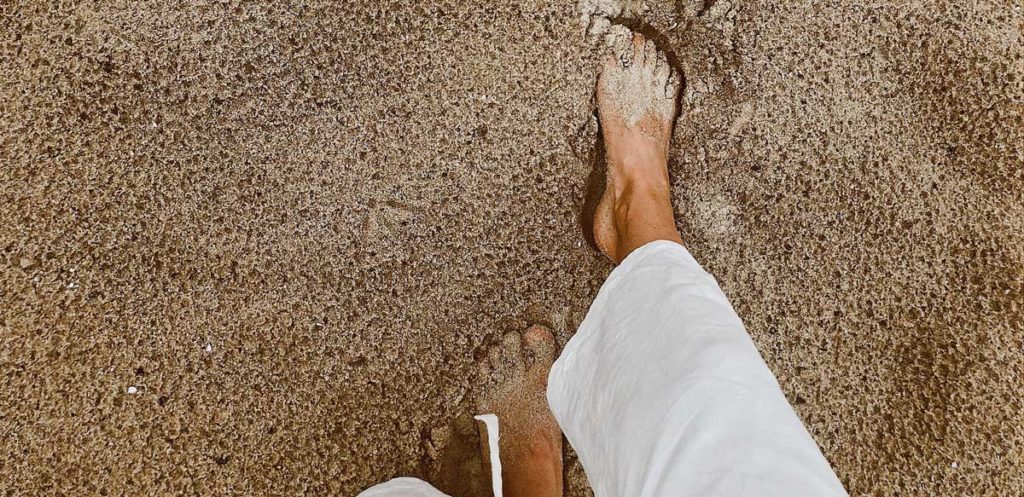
253	249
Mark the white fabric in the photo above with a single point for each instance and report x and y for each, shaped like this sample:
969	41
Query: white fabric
662	393
493	450
402	487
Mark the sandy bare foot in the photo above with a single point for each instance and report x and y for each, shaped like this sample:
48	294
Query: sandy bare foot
513	379
636	100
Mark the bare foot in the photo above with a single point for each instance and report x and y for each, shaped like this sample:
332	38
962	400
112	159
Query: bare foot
636	100
513	379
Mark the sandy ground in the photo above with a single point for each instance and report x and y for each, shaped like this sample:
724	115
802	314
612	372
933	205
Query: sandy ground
253	249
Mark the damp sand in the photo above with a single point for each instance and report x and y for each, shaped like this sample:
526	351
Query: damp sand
291	228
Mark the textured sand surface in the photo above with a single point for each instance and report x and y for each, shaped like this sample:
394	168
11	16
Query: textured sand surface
253	248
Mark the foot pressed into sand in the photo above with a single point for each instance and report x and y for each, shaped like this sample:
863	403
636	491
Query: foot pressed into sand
636	100
513	378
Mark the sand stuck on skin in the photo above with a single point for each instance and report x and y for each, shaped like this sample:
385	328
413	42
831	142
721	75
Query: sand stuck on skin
629	87
255	248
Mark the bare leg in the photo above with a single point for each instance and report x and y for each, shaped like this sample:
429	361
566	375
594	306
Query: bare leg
636	96
514	377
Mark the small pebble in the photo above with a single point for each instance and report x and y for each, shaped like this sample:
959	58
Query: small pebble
208	348
132	390
955	465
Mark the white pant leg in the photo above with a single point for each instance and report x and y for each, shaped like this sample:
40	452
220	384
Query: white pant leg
402	487
414	487
661	392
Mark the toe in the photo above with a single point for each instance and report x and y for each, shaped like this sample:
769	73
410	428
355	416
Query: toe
675	81
611	61
638	41
661	68
512	349
483	370
617	41
650	53
541	344
639	45
494	356
599	26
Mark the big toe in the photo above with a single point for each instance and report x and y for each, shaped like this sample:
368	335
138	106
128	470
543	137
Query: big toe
618	41
540	342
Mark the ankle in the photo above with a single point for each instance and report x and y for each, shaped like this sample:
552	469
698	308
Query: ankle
634	185
643	213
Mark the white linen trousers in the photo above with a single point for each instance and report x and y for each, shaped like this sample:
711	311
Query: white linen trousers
662	393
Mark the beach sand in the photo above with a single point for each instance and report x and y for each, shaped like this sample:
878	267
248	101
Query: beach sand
253	249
